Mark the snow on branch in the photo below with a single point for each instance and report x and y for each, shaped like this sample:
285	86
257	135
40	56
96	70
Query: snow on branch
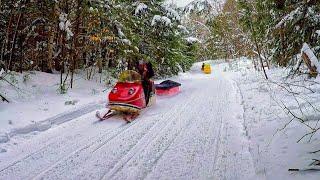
291	16
126	41
193	40
172	13
1	72
65	24
140	8
310	54
183	29
161	19
119	29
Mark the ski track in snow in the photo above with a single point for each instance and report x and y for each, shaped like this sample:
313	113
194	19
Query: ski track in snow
197	134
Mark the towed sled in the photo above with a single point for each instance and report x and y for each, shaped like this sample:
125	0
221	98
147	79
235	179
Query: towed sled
128	97
167	87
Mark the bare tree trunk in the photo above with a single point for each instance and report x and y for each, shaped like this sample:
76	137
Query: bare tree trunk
75	56
15	37
62	43
261	61
6	41
254	64
259	53
50	50
21	56
266	60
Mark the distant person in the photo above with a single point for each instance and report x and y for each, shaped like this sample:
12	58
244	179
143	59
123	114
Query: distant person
202	67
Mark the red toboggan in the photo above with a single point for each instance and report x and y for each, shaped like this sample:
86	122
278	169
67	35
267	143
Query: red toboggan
167	87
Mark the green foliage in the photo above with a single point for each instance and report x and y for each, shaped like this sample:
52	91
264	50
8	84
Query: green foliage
271	30
108	34
281	26
63	88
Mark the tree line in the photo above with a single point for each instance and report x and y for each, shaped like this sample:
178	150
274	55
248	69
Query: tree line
271	31
67	35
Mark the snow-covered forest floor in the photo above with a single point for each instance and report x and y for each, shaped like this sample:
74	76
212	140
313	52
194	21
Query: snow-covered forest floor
227	125
36	104
273	140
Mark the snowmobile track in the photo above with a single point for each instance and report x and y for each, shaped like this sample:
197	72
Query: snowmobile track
121	129
145	142
58	119
119	132
109	136
171	133
193	135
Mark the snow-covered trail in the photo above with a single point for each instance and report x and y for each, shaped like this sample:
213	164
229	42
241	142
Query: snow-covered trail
197	134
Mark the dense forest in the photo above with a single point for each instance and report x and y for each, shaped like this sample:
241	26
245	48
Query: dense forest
271	32
67	35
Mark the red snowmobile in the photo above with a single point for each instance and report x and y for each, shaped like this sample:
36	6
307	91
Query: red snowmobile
127	97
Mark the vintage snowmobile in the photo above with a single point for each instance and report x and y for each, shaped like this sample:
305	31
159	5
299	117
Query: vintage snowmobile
127	97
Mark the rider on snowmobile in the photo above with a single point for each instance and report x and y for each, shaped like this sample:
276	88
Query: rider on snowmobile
146	71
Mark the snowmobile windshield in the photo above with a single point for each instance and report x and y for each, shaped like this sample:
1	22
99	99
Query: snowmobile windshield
129	76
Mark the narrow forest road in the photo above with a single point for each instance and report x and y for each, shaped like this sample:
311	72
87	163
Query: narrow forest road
197	134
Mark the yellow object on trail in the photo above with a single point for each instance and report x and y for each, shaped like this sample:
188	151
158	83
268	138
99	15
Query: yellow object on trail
207	69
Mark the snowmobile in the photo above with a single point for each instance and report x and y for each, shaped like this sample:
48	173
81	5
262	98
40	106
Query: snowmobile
127	97
206	69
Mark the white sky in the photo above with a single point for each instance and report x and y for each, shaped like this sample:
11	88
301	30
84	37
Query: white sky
180	3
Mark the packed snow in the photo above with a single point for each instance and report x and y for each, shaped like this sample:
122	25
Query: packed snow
224	125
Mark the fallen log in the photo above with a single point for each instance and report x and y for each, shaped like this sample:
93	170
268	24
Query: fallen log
4	99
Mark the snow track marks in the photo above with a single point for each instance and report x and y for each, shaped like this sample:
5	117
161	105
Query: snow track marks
193	135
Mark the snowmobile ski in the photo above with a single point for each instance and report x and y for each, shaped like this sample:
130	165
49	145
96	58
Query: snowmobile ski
107	115
130	117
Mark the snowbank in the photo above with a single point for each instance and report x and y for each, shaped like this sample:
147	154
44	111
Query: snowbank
36	105
273	142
